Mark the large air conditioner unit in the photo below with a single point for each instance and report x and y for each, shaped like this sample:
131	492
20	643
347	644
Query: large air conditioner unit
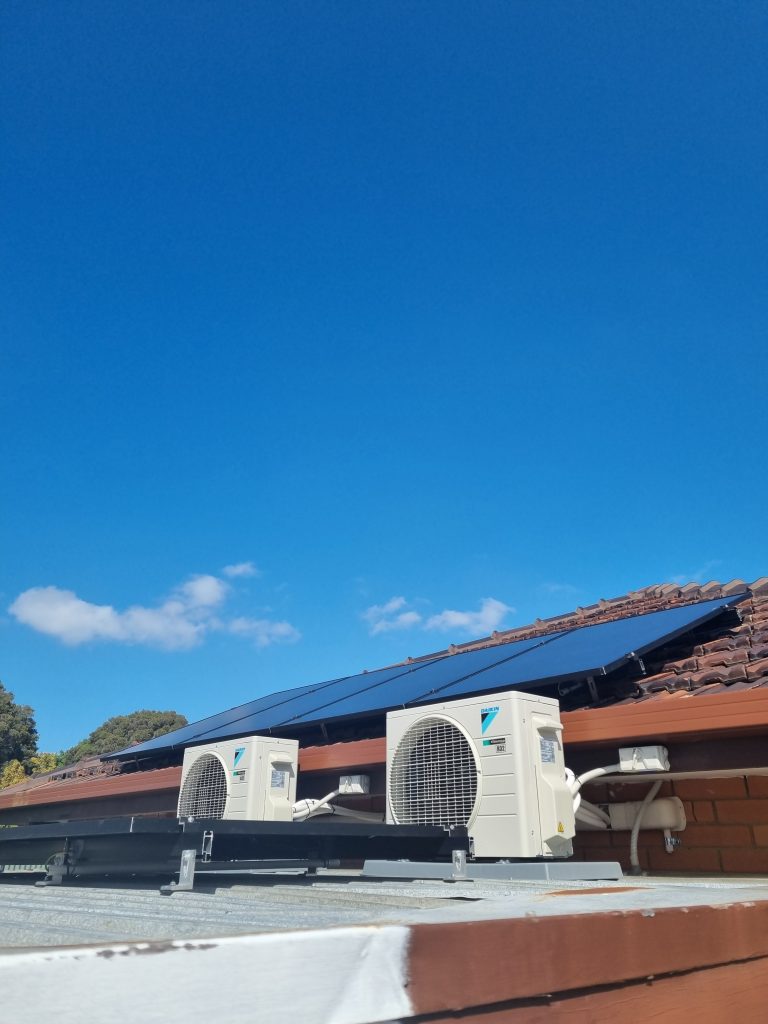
493	764
252	778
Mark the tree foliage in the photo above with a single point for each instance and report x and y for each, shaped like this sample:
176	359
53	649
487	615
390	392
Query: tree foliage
122	731
41	763
18	733
12	773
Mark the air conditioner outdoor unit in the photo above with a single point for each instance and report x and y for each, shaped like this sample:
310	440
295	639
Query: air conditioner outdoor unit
252	778
493	764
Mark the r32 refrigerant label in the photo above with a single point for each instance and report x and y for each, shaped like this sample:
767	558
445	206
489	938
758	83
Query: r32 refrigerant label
495	745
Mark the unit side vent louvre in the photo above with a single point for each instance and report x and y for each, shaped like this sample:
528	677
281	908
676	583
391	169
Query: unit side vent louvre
204	794
434	775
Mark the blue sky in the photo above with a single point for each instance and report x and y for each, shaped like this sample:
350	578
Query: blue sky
337	332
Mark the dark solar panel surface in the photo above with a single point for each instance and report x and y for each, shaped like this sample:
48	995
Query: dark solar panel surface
591	649
317	697
535	662
417	683
226	722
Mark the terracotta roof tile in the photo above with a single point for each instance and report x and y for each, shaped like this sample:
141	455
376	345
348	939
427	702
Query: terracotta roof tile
711	589
688	665
660	681
726	643
734	587
758	669
734	657
708	689
691	589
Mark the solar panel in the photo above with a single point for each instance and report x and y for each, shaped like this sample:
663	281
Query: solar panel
294	706
540	661
415	683
262	713
197	732
589	650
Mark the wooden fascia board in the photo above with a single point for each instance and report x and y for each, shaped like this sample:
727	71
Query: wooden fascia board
680	716
93	789
344	756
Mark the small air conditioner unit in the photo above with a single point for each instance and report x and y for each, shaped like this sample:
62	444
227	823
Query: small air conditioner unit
493	764
252	778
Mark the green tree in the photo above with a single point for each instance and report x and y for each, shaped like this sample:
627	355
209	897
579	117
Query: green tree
18	733
41	763
122	731
13	772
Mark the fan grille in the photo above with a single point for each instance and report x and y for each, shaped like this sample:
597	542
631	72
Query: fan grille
433	775
204	793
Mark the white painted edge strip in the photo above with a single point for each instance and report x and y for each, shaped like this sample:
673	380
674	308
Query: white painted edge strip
337	976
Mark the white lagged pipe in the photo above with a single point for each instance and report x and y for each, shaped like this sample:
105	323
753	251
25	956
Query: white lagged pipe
650	796
307	808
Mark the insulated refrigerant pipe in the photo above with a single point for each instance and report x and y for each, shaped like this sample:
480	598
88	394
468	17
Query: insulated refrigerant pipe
634	858
307	808
596	773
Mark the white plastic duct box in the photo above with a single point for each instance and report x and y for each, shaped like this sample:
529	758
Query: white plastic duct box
665	813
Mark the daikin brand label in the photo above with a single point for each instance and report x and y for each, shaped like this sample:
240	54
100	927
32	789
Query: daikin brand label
548	750
278	779
487	716
239	751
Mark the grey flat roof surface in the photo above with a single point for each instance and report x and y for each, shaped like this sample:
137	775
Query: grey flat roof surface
72	915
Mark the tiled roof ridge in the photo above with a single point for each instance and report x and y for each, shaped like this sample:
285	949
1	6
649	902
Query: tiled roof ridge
657	597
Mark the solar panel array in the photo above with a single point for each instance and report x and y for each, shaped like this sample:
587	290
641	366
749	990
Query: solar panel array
546	660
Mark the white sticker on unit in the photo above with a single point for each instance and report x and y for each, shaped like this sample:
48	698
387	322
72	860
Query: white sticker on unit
278	779
548	750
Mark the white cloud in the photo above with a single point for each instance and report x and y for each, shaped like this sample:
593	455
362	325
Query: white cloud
240	569
62	614
181	621
377	611
405	620
490	615
397	614
381	618
202	592
264	632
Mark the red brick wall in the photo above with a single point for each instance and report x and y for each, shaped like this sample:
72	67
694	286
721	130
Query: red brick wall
727	830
